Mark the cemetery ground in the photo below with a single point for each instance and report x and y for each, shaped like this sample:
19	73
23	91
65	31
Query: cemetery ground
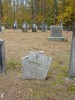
56	86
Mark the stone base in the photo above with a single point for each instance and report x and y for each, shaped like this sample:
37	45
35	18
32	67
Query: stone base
56	38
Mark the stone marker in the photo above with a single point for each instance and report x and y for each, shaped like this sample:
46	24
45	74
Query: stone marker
72	57
56	33
44	27
24	27
60	22
35	65
2	57
15	25
34	27
0	27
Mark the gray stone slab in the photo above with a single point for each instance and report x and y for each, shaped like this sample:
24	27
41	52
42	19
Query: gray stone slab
2	57
56	33
44	27
72	56
35	66
25	27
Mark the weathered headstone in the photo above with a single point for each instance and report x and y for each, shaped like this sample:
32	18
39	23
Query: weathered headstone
3	28
56	33
34	27
15	25
35	66
2	57
60	22
44	27
24	27
0	27
72	57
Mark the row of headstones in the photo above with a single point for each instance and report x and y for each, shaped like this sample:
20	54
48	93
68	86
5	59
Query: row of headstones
36	64
25	27
56	31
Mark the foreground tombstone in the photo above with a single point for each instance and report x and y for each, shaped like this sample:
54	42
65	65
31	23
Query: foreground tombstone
56	33
2	57
72	57
35	66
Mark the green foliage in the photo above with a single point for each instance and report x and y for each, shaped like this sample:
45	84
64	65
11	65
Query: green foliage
71	89
12	64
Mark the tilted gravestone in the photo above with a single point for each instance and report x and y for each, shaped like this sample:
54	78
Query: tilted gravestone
72	56
56	33
35	66
2	57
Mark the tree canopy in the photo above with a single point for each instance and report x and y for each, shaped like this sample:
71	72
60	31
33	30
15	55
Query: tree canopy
50	11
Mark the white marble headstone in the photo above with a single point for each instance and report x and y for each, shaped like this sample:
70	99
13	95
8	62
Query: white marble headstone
35	65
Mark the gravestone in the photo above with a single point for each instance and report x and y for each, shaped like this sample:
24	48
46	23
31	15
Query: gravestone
24	27
3	28
56	33
60	22
15	25
2	57
0	27
72	56
34	27
35	66
44	27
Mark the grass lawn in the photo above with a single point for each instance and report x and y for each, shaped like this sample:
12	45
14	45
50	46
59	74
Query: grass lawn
55	87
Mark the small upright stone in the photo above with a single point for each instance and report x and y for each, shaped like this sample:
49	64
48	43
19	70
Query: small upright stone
0	27
72	56
44	27
25	27
15	25
2	57
56	33
34	27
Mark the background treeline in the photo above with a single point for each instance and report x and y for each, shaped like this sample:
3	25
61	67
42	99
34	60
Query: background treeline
50	11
